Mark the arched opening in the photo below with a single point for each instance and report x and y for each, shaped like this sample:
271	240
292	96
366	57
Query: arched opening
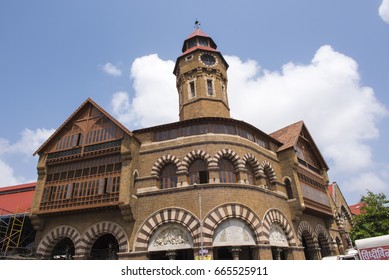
309	245
288	187
168	177
250	174
198	172
105	247
267	177
171	242
63	250
325	249
232	240
226	171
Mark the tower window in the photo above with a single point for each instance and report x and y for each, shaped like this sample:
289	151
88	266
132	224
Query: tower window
192	89
203	42
209	87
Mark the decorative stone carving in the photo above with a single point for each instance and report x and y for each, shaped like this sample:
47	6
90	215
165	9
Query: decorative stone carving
171	236
277	236
233	232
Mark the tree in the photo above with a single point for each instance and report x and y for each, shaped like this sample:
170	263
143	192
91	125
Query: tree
373	219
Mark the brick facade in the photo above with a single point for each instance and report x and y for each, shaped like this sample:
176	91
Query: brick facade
252	191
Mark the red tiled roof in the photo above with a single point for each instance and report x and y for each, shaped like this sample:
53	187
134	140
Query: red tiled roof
204	48
16	199
356	208
197	32
288	135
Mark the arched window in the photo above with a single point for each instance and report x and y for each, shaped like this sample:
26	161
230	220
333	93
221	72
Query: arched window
288	187
267	177
250	174
198	172
168	178
226	171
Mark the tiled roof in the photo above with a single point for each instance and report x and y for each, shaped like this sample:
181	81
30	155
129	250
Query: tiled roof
197	32
16	199
356	208
288	135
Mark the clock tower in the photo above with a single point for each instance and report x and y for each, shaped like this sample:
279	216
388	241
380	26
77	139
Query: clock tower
201	79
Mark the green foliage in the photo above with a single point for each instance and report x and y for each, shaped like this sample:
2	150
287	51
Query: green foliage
374	217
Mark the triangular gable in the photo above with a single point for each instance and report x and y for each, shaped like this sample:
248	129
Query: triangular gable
87	110
292	134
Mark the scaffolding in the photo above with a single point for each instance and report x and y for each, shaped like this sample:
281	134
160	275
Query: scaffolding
11	228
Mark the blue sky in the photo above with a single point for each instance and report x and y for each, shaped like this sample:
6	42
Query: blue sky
325	62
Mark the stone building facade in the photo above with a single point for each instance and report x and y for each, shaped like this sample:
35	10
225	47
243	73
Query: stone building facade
205	187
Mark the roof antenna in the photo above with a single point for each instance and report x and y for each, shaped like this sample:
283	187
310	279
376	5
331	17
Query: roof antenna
197	24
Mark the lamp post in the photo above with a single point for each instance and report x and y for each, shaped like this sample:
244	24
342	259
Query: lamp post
201	222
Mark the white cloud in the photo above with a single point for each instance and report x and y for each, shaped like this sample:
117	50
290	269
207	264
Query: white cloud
362	182
21	152
341	114
7	176
384	11
111	69
156	97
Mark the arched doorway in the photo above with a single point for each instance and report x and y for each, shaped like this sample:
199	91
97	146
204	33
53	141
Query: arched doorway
171	242
325	249
309	245
233	240
63	250
105	247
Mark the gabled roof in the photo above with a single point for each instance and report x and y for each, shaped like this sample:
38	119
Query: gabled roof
290	135
16	199
87	102
356	208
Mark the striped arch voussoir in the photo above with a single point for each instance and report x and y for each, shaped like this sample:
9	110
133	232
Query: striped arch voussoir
304	226
228	211
100	229
319	229
192	156
164	216
252	160
232	156
161	162
267	169
48	242
276	216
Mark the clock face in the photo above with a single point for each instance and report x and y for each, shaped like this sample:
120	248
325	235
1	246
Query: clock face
208	59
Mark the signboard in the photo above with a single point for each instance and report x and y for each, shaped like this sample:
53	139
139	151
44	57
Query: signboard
375	253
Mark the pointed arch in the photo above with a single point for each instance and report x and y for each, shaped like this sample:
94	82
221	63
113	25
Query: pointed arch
162	217
227	211
323	239
192	156
48	242
276	216
161	162
101	228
